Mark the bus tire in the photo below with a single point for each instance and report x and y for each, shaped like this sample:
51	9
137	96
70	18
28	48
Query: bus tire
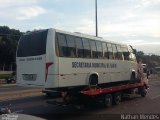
117	97
93	80
107	100
133	76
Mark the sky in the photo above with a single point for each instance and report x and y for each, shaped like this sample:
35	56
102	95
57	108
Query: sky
135	22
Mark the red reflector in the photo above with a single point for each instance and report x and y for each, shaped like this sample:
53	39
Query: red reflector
47	66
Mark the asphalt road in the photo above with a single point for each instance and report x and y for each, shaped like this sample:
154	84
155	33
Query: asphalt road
37	106
13	87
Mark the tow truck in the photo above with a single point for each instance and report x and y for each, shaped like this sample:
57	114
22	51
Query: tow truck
106	95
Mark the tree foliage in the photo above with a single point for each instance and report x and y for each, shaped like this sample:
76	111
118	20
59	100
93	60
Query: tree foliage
8	44
150	60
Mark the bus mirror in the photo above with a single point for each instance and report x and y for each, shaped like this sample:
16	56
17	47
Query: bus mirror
134	51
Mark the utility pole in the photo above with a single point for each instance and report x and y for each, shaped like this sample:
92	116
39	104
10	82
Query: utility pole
96	18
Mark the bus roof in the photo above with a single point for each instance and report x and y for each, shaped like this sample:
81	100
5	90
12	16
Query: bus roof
78	34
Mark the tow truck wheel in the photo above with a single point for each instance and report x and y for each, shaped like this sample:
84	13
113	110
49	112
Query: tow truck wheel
116	98
142	91
107	101
48	94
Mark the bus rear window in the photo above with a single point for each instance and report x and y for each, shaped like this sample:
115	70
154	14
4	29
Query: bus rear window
32	44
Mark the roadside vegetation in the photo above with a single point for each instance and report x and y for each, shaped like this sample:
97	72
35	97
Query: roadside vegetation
150	59
8	45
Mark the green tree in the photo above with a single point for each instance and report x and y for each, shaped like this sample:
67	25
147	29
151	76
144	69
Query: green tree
150	60
8	43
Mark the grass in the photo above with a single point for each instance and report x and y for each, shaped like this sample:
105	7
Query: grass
5	76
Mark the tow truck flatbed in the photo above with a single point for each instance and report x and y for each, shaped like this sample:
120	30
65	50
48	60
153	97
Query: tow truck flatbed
108	95
92	92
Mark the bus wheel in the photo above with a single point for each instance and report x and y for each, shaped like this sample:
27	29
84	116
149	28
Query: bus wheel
117	98
93	81
107	100
133	76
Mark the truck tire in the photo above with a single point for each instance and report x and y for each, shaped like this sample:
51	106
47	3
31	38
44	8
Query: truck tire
142	91
117	97
93	80
107	100
48	94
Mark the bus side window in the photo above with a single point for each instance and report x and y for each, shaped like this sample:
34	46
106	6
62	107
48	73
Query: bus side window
105	50
119	54
110	50
62	45
115	56
93	49
125	51
57	45
79	46
71	46
99	49
87	49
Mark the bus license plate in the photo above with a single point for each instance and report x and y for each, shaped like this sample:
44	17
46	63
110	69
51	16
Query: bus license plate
29	77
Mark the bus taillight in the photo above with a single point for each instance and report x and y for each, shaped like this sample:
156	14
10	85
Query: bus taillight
47	67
